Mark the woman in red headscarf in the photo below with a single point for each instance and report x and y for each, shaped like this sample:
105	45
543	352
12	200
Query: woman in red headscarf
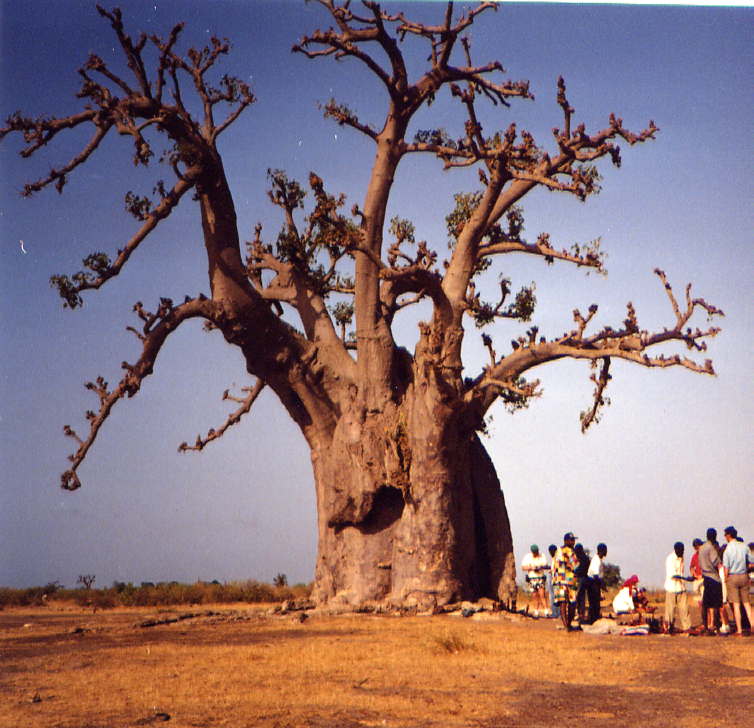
624	599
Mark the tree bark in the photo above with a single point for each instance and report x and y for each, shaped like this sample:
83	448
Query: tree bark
410	512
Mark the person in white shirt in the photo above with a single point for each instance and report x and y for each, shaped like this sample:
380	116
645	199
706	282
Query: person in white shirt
623	602
676	601
534	566
595	582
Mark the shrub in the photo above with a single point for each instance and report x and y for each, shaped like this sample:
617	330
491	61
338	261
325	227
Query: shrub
451	642
612	575
162	594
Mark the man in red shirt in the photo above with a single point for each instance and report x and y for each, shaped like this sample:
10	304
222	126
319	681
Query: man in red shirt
696	571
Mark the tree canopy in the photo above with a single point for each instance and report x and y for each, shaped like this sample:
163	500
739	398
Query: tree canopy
306	257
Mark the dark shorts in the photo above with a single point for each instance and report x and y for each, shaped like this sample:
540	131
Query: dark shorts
713	593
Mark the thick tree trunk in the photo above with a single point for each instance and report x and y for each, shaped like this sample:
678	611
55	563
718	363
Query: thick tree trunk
410	513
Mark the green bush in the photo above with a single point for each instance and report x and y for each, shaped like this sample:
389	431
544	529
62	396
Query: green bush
612	575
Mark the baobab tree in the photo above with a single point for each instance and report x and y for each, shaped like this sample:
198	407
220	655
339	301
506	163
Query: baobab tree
410	509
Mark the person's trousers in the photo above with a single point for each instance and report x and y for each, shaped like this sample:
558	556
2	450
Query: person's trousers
595	597
677	603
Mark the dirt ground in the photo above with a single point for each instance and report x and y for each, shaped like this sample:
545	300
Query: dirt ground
238	666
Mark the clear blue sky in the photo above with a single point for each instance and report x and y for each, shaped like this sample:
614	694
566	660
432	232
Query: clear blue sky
673	454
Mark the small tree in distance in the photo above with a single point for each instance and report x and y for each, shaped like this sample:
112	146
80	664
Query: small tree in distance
409	505
86	580
612	575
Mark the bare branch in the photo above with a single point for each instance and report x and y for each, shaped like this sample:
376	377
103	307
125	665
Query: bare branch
39	132
166	53
510	386
345	117
157	328
406	302
429	31
683	317
245	99
520	309
516	165
132	52
101	268
568	110
600	383
344	44
132	109
58	176
588	255
304	262
628	343
233	419
96	64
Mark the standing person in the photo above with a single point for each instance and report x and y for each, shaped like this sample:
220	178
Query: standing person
534	566
581	581
675	589
554	611
724	613
596	580
736	565
712	598
698	586
564	580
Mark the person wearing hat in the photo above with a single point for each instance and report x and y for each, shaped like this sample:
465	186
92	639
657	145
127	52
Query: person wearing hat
565	586
534	566
736	563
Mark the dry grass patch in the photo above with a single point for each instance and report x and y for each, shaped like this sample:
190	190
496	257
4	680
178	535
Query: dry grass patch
351	671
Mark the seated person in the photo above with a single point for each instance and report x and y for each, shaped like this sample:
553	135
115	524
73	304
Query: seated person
641	602
630	603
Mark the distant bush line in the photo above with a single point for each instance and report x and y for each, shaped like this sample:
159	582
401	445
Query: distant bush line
147	594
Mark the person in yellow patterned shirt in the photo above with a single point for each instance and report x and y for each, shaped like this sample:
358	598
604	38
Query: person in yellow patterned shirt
564	582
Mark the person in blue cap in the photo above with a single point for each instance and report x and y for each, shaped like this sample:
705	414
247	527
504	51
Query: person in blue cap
564	580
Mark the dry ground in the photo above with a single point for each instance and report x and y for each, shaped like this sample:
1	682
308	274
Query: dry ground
64	667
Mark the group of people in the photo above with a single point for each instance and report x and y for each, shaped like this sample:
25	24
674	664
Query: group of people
721	575
570	583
